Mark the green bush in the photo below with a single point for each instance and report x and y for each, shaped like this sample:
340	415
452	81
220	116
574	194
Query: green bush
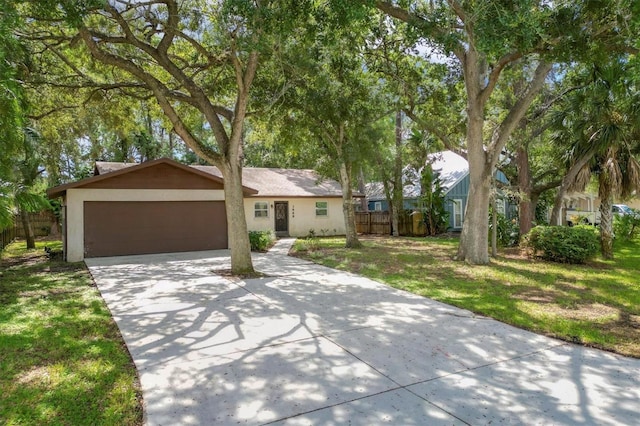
627	227
564	244
261	240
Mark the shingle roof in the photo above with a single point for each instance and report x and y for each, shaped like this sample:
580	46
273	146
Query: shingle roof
269	182
103	167
272	182
451	167
375	191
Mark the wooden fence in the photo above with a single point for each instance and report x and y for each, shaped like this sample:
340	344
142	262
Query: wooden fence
6	236
379	223
40	222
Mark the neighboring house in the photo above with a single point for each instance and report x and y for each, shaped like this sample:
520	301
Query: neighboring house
377	201
163	206
453	171
585	206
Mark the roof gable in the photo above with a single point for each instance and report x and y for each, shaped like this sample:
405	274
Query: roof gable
451	168
157	174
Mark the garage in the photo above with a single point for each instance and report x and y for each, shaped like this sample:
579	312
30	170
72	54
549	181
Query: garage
160	206
137	227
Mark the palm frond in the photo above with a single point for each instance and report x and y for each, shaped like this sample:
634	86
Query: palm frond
7	210
582	179
631	178
31	202
610	178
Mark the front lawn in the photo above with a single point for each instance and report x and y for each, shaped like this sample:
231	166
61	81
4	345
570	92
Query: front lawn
596	304
62	359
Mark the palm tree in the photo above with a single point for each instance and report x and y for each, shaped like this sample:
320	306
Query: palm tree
17	191
603	121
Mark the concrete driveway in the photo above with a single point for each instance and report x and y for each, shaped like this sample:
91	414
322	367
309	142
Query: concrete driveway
311	345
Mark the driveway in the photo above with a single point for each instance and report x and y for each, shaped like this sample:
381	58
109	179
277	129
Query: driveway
310	345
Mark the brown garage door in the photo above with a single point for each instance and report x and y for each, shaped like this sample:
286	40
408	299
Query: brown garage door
125	227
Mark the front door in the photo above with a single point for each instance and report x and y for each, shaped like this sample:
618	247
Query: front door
282	218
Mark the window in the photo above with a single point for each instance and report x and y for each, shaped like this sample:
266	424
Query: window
261	209
500	206
457	213
377	206
322	208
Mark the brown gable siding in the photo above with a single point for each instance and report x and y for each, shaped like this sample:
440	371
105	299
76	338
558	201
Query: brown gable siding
160	176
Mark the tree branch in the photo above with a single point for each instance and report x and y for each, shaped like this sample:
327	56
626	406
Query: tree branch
426	125
502	133
158	89
494	76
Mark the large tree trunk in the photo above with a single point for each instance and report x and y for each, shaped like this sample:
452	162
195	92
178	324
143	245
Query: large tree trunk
526	208
347	207
28	229
239	245
397	179
474	247
474	244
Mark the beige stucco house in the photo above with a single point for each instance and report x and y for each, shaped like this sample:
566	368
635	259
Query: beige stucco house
587	205
163	206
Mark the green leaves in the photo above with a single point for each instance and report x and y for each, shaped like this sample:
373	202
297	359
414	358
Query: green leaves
564	244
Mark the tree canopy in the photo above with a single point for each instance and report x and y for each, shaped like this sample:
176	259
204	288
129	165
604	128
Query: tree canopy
309	84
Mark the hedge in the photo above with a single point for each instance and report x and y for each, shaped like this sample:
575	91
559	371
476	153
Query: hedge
575	244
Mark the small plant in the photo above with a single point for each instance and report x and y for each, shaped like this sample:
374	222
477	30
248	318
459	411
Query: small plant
576	219
311	234
324	232
432	202
261	240
563	244
508	230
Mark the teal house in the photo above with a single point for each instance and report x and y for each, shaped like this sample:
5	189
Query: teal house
453	171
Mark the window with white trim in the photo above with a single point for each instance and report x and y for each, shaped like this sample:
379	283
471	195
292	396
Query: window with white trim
457	213
500	206
322	208
377	206
261	209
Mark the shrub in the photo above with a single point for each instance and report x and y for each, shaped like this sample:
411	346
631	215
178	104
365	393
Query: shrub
261	240
562	243
627	226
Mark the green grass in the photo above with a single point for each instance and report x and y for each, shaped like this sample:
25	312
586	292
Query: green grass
596	304
62	359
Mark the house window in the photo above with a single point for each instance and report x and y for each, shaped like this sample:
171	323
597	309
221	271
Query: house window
377	206
500	206
261	209
457	213
322	208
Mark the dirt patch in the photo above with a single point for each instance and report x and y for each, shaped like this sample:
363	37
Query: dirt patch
594	312
227	273
34	376
28	259
626	331
537	296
